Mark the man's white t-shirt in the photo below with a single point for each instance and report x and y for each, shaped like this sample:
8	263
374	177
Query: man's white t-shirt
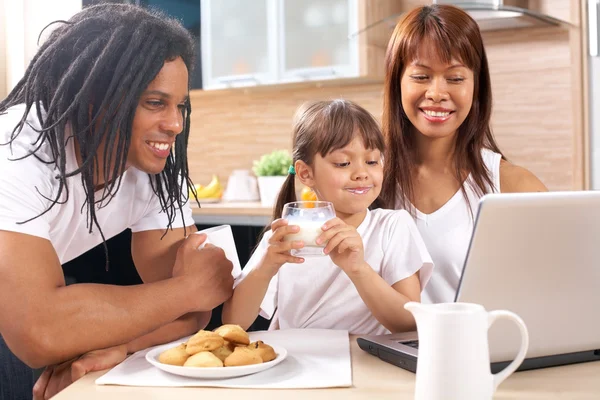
28	184
318	294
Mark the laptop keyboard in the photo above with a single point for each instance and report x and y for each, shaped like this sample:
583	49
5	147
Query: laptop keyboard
411	343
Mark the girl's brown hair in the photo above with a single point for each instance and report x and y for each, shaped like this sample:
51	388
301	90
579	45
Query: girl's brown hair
322	127
454	34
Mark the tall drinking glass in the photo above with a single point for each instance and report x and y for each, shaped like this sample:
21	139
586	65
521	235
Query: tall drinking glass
310	217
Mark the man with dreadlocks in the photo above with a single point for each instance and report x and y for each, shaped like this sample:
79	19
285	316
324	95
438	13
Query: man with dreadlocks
94	142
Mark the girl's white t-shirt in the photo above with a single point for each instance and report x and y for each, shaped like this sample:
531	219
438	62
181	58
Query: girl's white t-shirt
447	233
28	184
318	294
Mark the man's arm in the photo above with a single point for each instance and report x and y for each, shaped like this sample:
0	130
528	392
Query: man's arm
45	322
154	256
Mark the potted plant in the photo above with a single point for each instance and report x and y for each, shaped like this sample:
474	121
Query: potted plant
271	171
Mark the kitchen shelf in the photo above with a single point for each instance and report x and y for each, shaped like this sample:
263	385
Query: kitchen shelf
278	87
232	213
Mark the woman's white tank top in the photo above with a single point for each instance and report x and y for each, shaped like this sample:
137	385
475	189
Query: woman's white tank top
447	233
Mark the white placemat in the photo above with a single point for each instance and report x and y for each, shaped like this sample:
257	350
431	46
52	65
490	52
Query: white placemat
317	358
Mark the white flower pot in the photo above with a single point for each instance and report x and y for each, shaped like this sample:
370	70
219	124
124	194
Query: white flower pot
269	188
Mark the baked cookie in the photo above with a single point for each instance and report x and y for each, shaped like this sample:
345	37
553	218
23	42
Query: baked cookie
222	352
204	359
174	356
242	356
265	351
203	341
233	333
229	345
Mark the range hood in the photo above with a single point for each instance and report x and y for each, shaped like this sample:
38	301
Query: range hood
491	15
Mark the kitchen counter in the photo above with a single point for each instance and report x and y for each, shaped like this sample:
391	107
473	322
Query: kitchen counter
232	213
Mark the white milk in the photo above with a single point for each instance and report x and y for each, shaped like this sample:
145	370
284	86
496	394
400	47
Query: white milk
309	232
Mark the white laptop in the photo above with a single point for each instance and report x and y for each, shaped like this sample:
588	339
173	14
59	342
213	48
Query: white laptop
538	255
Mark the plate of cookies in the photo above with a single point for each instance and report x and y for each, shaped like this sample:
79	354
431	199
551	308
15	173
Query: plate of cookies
225	352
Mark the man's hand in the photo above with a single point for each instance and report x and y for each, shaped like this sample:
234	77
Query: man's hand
208	270
57	377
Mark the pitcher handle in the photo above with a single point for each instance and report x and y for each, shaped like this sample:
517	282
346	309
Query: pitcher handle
505	373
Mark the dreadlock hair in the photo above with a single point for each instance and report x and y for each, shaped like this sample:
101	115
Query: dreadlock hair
87	78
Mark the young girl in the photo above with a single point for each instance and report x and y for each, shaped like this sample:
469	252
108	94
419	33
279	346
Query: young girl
375	260
442	156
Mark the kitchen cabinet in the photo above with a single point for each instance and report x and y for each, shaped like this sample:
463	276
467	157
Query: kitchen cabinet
314	39
281	41
238	44
186	11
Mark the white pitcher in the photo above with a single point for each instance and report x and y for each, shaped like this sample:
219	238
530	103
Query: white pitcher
454	359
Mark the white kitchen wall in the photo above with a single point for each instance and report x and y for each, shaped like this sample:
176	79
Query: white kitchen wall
21	23
594	89
3	90
594	113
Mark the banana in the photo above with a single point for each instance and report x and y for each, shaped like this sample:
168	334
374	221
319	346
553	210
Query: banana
198	187
212	190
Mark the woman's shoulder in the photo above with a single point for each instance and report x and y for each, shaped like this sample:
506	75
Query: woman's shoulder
515	179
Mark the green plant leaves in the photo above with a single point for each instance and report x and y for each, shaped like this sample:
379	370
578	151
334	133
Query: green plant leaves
276	163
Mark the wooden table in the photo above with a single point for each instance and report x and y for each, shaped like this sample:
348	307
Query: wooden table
372	379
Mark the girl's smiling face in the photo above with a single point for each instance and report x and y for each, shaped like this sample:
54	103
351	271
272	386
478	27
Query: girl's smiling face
349	177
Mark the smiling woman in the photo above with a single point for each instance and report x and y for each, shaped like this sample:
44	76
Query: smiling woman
437	95
442	156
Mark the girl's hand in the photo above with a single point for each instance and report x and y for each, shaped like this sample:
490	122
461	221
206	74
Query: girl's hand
278	252
344	245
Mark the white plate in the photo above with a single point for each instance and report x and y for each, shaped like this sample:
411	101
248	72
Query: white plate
215	372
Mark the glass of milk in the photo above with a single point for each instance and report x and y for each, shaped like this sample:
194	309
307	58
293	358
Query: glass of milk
310	217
